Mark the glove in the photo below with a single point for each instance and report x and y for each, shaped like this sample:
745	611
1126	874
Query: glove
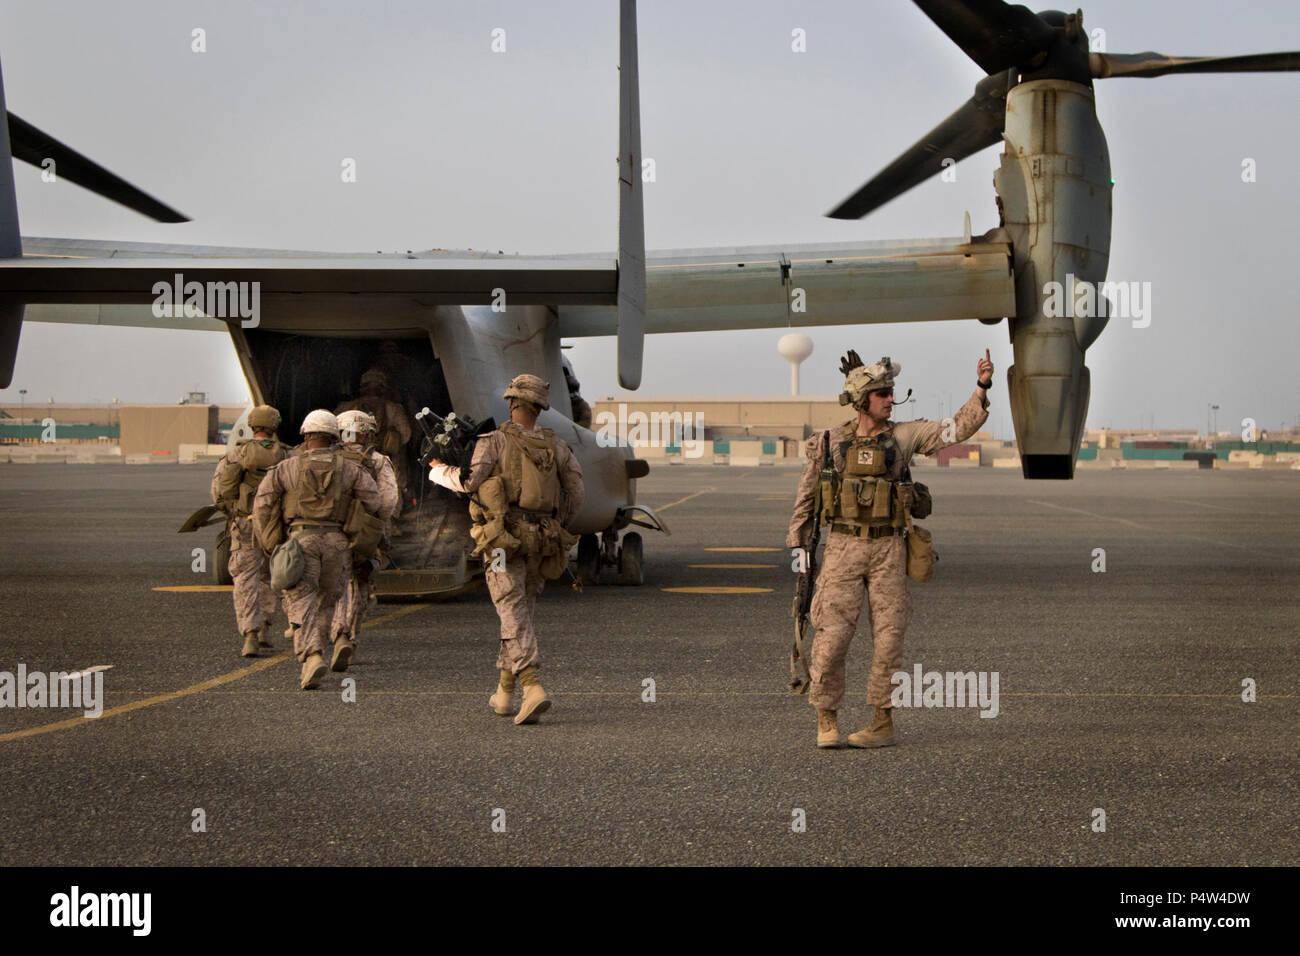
849	362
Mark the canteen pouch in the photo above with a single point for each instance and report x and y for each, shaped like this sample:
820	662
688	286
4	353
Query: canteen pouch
273	531
364	530
287	565
556	542
922	501
920	554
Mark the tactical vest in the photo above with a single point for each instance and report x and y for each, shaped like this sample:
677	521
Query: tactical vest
362	457
318	494
529	470
874	487
256	458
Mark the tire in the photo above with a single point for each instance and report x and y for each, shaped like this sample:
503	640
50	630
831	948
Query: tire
588	560
630	561
221	560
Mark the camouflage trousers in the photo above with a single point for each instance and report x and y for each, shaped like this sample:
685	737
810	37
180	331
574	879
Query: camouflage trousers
327	563
851	567
254	599
352	607
514	592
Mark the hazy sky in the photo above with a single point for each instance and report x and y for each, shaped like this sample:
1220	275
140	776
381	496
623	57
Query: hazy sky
459	147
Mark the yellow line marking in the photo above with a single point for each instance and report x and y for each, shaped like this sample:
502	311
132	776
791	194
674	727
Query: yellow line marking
680	500
733	567
743	693
744	549
184	691
198	588
719	590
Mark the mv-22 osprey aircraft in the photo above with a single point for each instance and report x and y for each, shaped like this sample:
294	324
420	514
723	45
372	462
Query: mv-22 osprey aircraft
322	316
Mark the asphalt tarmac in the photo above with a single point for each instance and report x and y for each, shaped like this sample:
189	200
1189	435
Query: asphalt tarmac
1120	691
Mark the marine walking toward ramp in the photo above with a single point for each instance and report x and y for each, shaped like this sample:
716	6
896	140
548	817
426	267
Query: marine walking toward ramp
306	503
234	486
526	486
858	474
357	429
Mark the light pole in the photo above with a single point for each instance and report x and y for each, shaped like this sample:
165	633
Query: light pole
22	412
1211	410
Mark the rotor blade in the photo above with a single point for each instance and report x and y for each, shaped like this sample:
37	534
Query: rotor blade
31	145
1105	65
994	34
976	125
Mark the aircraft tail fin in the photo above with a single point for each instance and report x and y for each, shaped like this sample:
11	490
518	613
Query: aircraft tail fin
631	215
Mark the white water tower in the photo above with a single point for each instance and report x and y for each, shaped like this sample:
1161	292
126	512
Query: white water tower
794	347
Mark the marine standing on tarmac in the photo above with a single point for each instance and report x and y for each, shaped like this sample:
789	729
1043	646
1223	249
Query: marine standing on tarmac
313	493
234	485
357	428
527	485
867	499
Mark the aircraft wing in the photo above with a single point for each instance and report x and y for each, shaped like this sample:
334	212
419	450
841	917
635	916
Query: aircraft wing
90	282
854	283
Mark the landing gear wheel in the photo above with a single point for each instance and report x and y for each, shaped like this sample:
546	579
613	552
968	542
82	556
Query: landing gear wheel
588	560
221	560
629	561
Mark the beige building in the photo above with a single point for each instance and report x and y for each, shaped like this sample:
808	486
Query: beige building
758	426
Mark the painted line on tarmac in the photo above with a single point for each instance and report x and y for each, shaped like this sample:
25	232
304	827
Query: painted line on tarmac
747	693
184	691
679	501
1090	514
1201	504
197	588
733	567
1177	534
717	590
744	549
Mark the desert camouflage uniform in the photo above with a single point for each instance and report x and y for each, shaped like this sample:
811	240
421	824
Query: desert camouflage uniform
326	557
854	565
514	591
394	433
249	570
352	606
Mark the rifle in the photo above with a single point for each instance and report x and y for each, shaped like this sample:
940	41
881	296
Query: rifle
806	583
450	439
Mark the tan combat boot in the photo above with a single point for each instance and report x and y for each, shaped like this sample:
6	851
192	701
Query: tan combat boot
250	644
828	730
878	733
500	701
343	651
313	669
535	702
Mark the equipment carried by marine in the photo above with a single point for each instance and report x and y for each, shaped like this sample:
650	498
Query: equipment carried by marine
451	439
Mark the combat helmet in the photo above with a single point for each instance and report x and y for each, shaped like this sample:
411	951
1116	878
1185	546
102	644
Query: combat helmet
529	388
320	421
861	380
374	377
264	417
357	423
